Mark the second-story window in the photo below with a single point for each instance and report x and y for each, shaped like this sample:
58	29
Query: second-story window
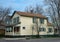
8	21
16	20
42	21
34	19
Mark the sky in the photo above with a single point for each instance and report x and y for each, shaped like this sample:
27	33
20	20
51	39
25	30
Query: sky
20	5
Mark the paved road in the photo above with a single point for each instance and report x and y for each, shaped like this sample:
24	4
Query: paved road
33	40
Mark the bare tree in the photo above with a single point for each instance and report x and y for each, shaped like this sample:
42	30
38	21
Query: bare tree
4	13
37	9
29	9
58	9
54	12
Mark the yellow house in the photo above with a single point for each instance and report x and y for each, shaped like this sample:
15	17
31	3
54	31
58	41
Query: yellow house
50	28
26	24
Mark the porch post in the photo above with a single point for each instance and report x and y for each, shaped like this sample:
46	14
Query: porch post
13	31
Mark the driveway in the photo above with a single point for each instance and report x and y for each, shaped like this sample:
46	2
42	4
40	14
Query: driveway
33	40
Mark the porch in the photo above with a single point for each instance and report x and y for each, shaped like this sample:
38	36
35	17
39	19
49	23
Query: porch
12	30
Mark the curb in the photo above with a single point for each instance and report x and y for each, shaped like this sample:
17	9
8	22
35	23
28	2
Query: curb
13	38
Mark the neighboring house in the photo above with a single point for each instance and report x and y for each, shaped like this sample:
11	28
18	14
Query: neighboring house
50	28
8	20
2	28
26	24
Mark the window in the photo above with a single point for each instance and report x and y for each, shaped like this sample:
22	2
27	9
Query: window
49	29
8	21
56	30
23	27
16	29
42	29
34	19
16	20
42	21
9	29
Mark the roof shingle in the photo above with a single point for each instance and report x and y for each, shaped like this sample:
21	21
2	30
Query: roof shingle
30	14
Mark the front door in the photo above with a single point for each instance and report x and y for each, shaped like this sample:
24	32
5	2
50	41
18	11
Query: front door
17	30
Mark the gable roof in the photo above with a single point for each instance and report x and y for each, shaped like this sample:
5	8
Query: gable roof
28	14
